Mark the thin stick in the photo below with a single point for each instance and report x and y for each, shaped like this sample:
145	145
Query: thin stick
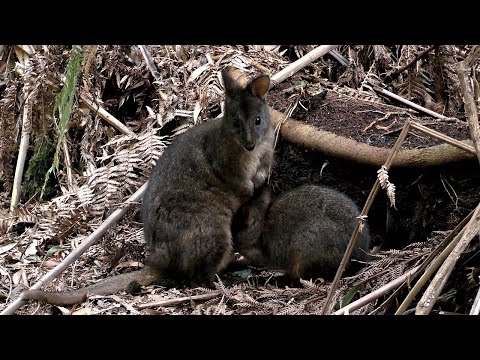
68	163
420	55
408	102
463	69
376	294
300	64
179	300
393	296
150	63
428	299
22	154
366	208
340	58
75	254
105	115
433	262
476	305
443	137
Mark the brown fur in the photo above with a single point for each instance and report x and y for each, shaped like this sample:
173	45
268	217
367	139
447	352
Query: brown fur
305	231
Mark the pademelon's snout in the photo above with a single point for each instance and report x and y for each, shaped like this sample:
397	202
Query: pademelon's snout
250	145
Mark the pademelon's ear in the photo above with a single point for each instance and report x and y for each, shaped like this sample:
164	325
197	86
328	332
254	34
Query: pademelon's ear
259	86
231	86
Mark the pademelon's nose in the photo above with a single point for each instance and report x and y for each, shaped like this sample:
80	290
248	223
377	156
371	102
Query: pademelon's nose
250	146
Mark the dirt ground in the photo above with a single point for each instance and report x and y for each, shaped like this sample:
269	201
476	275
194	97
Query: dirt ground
354	118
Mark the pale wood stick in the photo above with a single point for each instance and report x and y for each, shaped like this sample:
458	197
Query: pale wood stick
105	115
376	294
22	154
301	63
409	103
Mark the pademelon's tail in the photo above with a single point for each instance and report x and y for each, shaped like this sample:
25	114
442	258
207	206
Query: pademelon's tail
145	276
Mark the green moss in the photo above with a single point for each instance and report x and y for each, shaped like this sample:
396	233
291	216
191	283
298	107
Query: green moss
36	172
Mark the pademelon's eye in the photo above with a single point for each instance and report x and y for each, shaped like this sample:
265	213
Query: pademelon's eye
236	123
258	120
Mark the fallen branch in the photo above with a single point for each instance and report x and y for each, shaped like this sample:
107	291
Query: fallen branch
361	218
300	64
376	294
428	299
179	300
75	254
105	115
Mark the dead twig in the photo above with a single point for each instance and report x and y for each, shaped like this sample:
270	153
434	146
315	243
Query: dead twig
150	63
409	103
105	115
376	294
430	296
300	64
75	254
68	165
180	300
362	216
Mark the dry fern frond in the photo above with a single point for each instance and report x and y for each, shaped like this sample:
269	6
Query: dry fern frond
312	288
386	184
248	302
413	88
8	133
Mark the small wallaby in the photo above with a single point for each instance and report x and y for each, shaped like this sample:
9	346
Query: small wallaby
305	231
194	190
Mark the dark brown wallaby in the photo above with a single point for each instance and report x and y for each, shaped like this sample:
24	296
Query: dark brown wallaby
194	190
305	231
